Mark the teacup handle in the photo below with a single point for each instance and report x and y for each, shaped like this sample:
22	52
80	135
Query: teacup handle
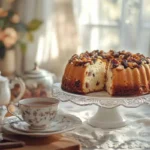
13	113
22	87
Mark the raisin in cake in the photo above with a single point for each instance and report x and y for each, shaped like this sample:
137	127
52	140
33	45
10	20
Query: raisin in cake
119	73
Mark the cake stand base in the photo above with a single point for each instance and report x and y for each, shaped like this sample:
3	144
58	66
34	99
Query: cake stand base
107	119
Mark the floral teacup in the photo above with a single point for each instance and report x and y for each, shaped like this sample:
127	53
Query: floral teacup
38	112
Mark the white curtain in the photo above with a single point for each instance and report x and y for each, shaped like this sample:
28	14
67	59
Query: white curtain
74	26
56	40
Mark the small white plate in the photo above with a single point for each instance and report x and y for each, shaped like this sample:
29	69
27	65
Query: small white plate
62	123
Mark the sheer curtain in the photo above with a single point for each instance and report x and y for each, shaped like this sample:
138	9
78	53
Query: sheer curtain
57	39
74	26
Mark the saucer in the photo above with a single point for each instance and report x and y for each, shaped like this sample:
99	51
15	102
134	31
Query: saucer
61	124
23	126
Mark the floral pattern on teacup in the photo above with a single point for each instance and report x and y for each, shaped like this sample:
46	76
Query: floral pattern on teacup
38	117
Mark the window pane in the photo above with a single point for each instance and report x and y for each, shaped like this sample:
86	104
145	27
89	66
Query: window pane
98	11
109	10
100	38
144	42
129	28
85	37
146	10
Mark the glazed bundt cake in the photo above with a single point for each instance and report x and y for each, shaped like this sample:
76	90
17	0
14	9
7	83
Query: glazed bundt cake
119	73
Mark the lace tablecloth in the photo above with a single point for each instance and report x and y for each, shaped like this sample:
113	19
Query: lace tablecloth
135	136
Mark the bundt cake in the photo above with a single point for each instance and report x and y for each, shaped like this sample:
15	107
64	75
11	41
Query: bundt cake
119	73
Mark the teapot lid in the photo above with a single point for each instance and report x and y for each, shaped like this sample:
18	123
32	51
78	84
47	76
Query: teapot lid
36	73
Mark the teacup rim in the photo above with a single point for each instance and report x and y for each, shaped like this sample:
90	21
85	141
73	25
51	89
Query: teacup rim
37	98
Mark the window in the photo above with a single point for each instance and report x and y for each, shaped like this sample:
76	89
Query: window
114	24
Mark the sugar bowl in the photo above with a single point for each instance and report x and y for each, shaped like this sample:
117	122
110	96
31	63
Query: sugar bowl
38	82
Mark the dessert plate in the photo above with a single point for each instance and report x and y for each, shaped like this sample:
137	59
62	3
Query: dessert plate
61	124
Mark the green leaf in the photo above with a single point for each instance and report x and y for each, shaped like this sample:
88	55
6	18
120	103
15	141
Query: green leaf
1	23
30	36
23	47
34	24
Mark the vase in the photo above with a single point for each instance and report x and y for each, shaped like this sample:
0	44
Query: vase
8	63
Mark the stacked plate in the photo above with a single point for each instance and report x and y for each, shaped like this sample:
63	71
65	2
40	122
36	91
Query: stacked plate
61	124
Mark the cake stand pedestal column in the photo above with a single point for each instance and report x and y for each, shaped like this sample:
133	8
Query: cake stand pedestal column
106	118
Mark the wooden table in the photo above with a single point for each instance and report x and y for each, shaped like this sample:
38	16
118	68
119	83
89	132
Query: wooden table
54	142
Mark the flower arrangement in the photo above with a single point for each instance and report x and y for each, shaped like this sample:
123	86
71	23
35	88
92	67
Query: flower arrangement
13	32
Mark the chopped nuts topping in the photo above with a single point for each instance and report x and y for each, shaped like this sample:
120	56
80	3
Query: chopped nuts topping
124	63
116	54
121	56
86	64
126	59
114	63
99	57
130	64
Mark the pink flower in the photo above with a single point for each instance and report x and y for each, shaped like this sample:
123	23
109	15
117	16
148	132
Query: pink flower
15	18
3	13
10	37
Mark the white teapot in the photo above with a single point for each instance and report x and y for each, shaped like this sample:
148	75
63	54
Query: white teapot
5	94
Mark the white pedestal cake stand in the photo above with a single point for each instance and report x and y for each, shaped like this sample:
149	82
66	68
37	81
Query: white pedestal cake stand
108	116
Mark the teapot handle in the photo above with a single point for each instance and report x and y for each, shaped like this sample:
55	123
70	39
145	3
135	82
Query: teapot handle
22	87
